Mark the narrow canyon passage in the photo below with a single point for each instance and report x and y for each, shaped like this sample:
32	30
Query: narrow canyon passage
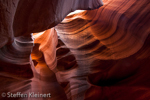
99	52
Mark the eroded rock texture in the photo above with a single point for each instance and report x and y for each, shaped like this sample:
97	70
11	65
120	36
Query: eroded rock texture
111	46
100	54
18	20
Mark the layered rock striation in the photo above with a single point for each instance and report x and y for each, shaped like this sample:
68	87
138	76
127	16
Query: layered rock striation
100	53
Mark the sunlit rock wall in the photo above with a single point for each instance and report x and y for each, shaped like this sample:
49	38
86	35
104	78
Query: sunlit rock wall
100	54
111	47
19	72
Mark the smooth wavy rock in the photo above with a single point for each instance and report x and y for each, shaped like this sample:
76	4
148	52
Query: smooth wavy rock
15	58
111	46
113	25
50	51
20	18
40	15
16	67
44	58
48	42
100	54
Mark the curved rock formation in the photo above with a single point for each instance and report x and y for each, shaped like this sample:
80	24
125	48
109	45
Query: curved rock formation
40	15
111	46
100	54
20	18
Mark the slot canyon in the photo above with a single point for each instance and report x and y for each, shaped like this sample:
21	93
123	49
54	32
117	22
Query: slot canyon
74	50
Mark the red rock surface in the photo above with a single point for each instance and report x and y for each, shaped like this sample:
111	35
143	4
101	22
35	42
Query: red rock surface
101	53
